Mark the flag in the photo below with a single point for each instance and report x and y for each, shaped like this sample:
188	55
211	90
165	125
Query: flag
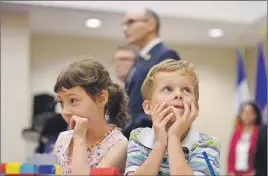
261	84
242	91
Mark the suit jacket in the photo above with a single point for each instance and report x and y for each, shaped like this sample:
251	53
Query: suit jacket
261	153
134	82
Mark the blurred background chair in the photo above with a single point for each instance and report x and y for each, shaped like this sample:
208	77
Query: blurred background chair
46	124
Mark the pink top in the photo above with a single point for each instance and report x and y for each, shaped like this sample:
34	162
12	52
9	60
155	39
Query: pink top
94	155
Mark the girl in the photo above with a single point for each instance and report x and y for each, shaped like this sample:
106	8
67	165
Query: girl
243	143
86	95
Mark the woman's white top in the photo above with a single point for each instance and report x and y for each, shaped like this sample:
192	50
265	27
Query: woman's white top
242	152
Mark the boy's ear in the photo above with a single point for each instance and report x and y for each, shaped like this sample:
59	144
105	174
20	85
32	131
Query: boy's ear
197	106
147	107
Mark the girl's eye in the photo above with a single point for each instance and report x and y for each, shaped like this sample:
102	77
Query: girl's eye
73	100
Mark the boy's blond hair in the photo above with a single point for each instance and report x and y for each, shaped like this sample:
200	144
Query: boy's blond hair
168	65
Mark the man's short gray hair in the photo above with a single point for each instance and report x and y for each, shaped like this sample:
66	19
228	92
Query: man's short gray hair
132	48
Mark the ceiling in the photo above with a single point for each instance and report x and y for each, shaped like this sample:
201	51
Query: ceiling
241	21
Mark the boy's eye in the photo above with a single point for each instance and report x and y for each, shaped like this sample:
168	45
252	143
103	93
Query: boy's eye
187	89
167	89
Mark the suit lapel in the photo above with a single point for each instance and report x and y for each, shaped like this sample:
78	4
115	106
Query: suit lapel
153	52
130	75
139	64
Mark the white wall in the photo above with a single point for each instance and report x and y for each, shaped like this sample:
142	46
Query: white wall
15	85
216	68
52	53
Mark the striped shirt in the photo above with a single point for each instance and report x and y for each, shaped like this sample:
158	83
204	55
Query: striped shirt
141	143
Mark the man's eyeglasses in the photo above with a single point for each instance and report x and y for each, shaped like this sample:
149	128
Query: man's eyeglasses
123	59
132	21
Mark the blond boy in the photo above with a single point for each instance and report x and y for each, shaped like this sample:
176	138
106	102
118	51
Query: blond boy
170	92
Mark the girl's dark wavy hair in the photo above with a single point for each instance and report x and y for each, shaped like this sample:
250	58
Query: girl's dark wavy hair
93	77
257	111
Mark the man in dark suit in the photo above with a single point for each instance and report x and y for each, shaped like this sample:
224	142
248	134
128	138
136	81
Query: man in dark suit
141	28
261	152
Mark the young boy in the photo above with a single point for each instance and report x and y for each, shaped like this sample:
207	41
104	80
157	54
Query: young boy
170	92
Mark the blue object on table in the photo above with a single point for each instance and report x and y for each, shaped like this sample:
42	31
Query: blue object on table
208	163
46	169
28	169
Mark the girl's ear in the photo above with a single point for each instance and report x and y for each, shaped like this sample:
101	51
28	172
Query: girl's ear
103	98
147	107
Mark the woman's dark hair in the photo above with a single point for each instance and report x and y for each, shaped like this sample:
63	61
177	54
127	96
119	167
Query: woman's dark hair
94	78
256	110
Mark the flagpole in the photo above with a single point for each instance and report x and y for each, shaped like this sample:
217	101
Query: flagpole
263	38
261	75
242	47
242	94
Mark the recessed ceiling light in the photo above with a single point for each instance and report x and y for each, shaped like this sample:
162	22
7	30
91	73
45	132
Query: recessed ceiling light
93	23
215	33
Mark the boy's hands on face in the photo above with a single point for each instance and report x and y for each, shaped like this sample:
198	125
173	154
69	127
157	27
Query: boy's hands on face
160	116
79	125
183	122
